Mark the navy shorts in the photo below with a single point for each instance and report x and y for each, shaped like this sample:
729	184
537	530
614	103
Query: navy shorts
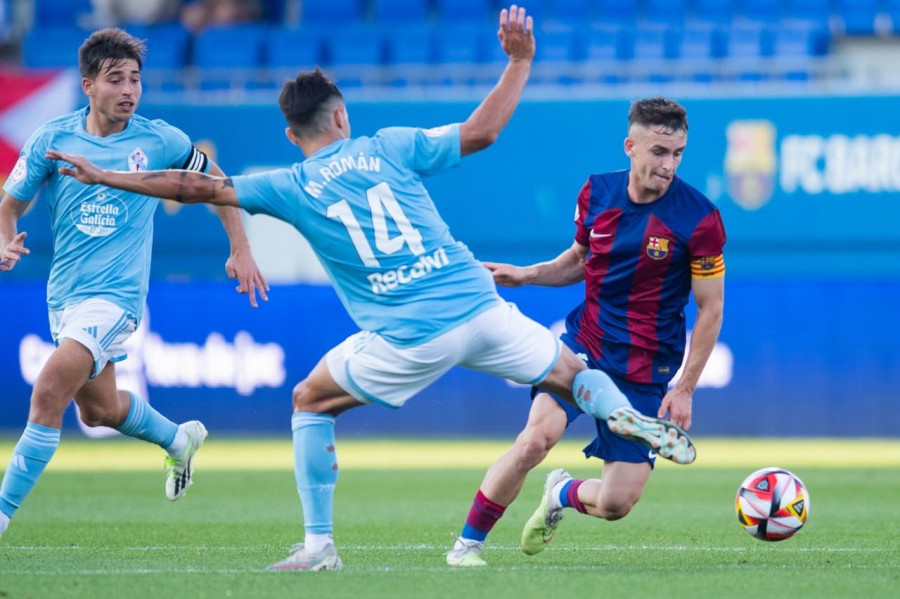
644	397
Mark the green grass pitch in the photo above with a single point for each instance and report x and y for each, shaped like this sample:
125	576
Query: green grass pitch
98	525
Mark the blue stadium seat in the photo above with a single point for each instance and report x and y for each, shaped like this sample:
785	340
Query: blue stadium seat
697	43
234	46
565	10
713	11
745	42
797	41
892	9
651	43
410	44
460	43
607	43
167	44
617	12
330	11
294	48
558	42
816	11
355	45
764	11
858	16
273	11
393	11
669	12
52	47
463	10
64	13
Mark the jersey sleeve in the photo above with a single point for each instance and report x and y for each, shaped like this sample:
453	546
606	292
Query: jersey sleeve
266	193
180	153
582	233
706	247
425	151
31	169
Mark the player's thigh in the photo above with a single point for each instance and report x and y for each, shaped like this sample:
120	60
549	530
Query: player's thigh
372	370
559	380
98	325
623	483
320	393
65	372
505	342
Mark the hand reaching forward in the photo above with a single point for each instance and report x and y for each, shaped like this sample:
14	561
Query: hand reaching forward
507	275
13	251
85	171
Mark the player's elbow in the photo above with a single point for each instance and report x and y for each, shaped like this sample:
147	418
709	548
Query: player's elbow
474	139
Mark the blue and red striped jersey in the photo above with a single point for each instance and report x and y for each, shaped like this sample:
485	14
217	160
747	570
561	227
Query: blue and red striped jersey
638	274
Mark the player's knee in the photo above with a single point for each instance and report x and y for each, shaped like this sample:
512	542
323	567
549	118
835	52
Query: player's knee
532	447
45	399
616	508
305	397
94	415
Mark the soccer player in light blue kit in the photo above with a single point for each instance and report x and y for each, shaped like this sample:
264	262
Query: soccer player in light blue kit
423	302
101	265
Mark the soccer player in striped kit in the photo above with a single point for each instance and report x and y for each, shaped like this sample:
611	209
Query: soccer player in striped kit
644	241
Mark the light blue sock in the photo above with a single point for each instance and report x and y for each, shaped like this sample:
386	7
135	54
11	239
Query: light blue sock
597	394
145	423
35	448
315	468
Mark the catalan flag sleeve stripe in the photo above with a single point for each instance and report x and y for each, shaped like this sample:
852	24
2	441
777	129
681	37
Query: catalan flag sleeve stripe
708	267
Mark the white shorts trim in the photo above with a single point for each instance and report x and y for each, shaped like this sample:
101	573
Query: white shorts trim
100	326
500	341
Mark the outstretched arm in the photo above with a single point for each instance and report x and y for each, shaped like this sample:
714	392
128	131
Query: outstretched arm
187	187
12	243
565	269
240	264
710	297
483	126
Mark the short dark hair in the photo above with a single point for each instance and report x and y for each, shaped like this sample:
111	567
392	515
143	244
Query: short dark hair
303	99
658	111
109	44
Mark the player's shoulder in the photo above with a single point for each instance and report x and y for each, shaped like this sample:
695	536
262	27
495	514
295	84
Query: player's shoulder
392	135
143	125
688	193
602	183
61	125
609	179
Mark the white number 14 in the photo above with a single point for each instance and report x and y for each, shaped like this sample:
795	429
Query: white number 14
381	201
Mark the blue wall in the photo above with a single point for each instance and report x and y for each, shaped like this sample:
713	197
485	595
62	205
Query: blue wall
797	358
808	188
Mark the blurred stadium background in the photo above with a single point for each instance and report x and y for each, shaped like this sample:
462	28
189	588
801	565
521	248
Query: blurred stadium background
795	134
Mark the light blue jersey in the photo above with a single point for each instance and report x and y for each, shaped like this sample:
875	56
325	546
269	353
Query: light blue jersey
362	206
102	237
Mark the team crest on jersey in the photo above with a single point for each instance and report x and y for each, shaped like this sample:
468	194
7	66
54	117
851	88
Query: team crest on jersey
19	170
657	247
137	161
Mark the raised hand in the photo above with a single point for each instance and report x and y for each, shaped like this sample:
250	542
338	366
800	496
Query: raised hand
516	33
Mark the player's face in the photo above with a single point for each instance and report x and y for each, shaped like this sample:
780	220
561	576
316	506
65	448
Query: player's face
655	154
116	90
